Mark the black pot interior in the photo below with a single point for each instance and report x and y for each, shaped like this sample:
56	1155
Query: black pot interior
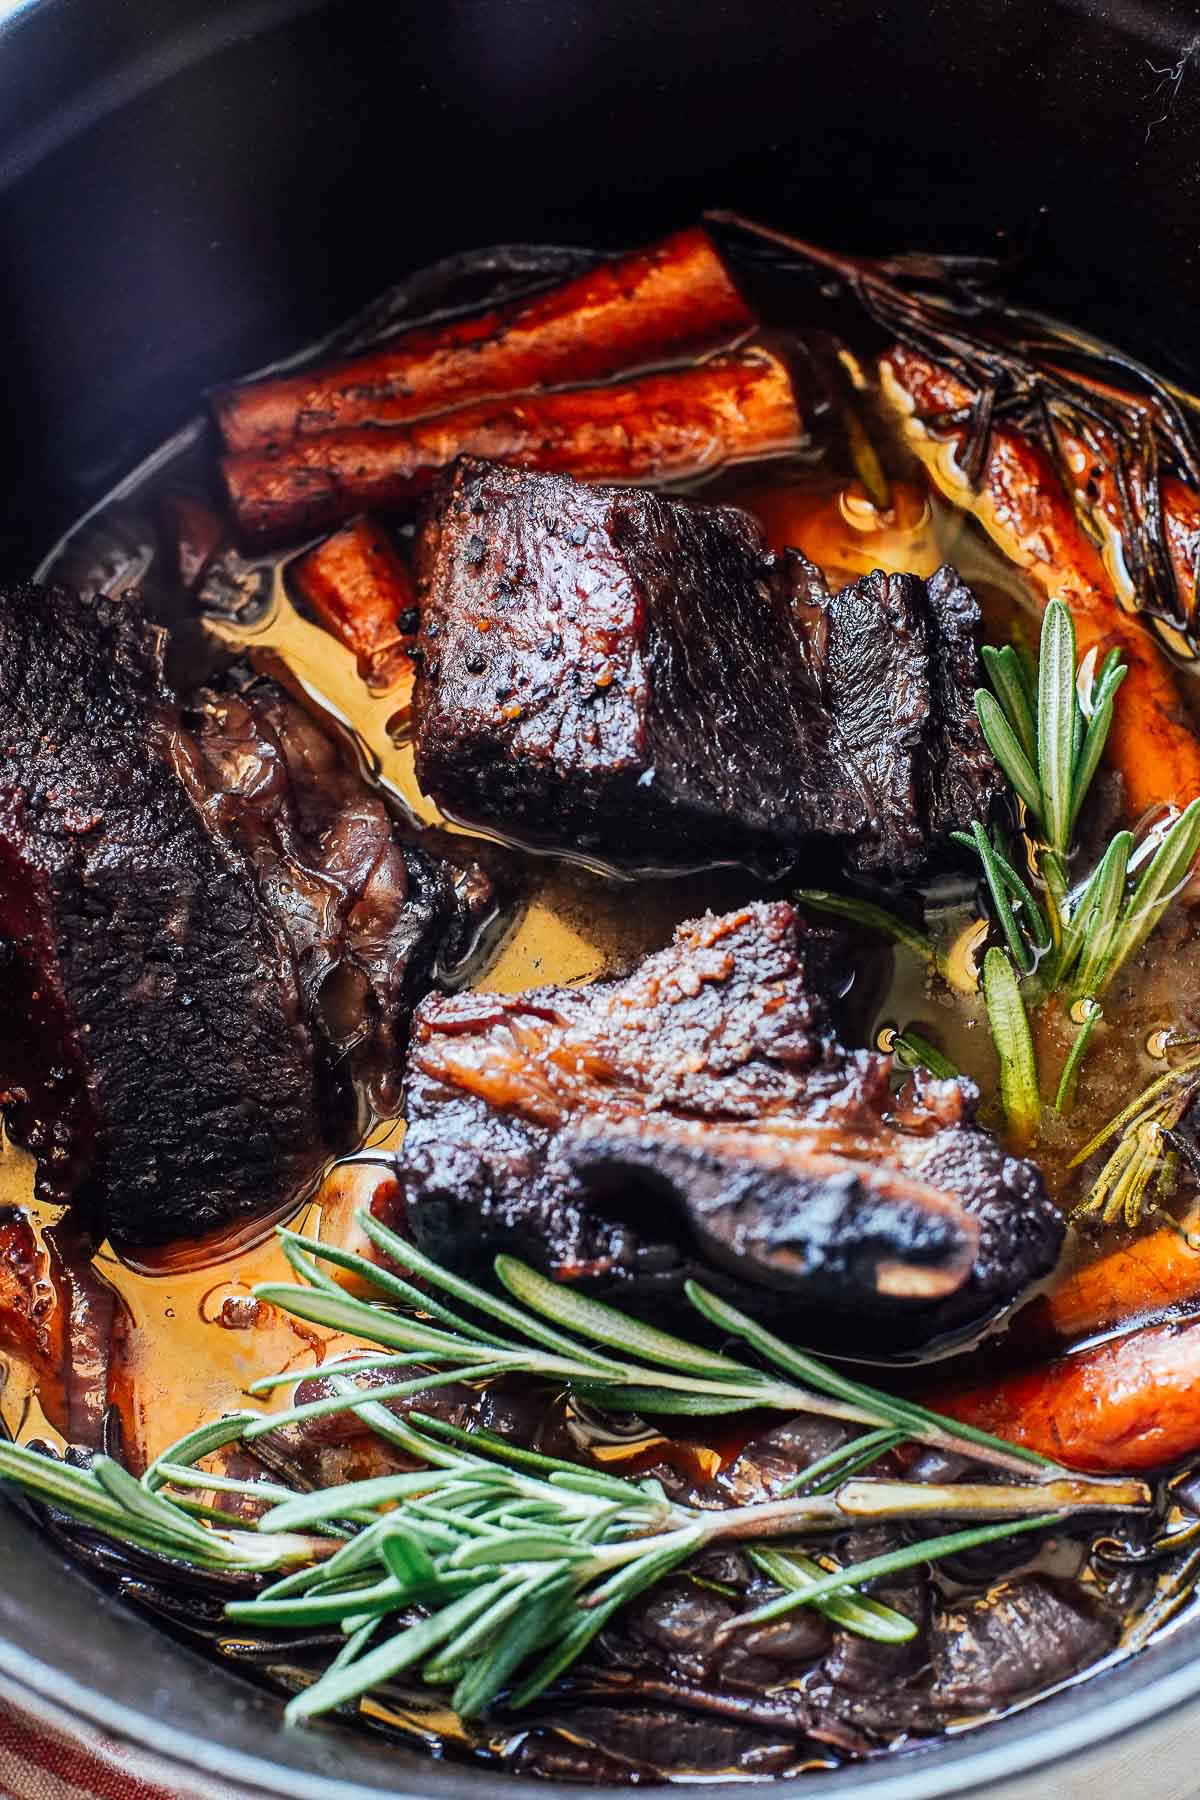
186	191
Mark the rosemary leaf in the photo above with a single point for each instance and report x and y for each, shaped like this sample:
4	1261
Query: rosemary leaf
512	1592
199	1443
999	888
1075	929
302	1264
347	1500
894	1562
1014	1046
386	1661
404	1556
1035	918
1057	713
667	1400
304	1610
615	1330
1065	1097
867	1618
384	1281
551	1608
341	1312
149	1508
349	1365
1005	746
1093	746
524	1323
332	1404
494	1446
1010	686
624	1587
1104	902
851	1459
875	918
1167	873
913	1051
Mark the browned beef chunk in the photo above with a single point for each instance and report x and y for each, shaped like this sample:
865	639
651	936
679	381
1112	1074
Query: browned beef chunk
363	911
869	645
631	1744
619	672
802	1680
961	779
177	915
1021	1637
701	1116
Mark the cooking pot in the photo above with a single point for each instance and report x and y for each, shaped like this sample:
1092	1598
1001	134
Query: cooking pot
189	189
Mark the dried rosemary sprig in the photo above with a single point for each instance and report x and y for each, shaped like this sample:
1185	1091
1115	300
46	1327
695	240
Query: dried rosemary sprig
1144	1149
489	1568
1052	383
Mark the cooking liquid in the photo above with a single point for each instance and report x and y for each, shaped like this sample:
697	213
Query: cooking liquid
192	1337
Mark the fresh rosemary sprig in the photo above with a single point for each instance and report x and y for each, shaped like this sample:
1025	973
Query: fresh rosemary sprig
489	1568
1047	729
912	1050
909	1047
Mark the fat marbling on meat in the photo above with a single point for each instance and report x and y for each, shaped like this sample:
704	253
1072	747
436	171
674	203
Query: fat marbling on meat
629	674
701	1117
202	918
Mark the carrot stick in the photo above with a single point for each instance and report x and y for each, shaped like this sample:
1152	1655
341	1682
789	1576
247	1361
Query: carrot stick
359	585
1158	1271
660	305
659	427
1130	1404
1023	507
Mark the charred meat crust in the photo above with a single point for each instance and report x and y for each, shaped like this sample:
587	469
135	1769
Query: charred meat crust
363	911
581	673
632	675
701	1116
210	925
156	1053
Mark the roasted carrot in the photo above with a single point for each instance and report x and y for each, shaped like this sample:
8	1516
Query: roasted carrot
656	306
1024	508
1158	1271
359	585
196	533
1132	1403
659	427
